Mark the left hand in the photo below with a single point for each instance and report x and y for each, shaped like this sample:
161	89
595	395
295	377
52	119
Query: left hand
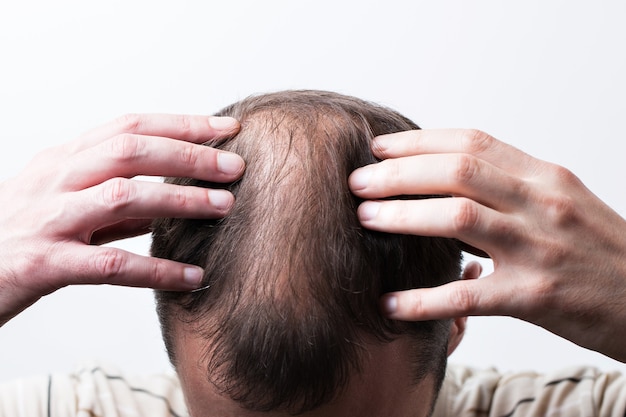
559	252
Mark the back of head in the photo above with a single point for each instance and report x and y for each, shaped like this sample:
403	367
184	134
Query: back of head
293	279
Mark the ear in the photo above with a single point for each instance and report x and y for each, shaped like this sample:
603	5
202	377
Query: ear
457	330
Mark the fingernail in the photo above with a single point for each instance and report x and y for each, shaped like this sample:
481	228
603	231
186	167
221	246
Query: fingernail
389	304
369	210
220	199
193	276
229	163
223	123
360	179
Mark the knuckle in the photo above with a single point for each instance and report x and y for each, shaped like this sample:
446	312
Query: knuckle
553	254
117	193
158	274
184	124
519	188
463	299
416	307
465	216
125	147
180	198
130	123
465	169
189	155
561	210
563	175
475	141
109	264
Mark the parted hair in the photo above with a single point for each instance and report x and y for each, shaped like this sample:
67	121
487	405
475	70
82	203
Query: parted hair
292	279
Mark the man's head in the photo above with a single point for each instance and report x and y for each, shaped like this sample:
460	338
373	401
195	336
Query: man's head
289	320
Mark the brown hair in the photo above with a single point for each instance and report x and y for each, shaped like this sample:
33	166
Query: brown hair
293	279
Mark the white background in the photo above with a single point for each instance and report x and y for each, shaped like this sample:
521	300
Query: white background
545	76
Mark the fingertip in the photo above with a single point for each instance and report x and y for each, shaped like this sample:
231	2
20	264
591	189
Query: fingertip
230	164
192	277
403	305
472	270
387	146
368	211
221	200
389	304
380	145
224	123
359	179
422	304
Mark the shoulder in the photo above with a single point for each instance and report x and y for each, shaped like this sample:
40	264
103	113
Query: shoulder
575	391
94	388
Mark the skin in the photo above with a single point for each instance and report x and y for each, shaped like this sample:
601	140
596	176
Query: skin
76	196
383	388
558	251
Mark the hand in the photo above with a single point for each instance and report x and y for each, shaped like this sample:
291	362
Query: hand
75	196
559	253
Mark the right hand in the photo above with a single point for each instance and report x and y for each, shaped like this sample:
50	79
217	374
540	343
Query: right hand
75	196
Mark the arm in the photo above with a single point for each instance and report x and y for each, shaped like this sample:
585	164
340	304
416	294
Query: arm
559	252
73	197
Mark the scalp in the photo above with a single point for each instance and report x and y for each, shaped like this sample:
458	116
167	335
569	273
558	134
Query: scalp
293	279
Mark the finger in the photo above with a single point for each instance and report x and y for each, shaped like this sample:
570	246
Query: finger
456	299
190	128
444	174
122	230
454	217
122	199
472	270
468	141
131	155
106	265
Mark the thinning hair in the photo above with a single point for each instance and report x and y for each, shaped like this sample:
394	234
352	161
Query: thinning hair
293	280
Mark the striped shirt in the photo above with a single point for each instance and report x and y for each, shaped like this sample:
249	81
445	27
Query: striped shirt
97	390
